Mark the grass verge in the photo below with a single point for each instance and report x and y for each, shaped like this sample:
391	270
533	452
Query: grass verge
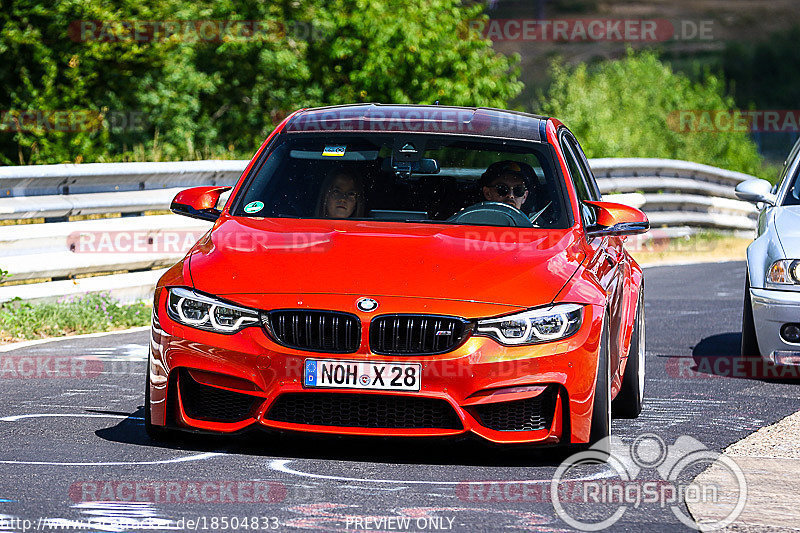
91	313
700	247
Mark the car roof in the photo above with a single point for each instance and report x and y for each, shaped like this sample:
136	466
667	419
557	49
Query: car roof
426	119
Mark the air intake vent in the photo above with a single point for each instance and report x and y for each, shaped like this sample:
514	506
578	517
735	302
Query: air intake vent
315	331
364	411
519	415
416	334
212	404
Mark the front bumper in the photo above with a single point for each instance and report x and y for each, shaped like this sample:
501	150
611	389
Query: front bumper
771	310
480	387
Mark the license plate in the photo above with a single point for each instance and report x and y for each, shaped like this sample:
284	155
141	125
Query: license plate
335	374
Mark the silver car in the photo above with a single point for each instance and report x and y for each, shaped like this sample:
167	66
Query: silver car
771	317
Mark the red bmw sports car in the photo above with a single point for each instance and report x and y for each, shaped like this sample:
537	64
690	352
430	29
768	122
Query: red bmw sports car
404	271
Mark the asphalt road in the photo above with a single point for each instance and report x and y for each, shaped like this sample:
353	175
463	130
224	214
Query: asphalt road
73	448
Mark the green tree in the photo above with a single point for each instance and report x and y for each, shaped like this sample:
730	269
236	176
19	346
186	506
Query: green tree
629	108
220	97
416	51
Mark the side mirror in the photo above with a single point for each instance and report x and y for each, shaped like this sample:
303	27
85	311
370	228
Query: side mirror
756	191
617	219
198	202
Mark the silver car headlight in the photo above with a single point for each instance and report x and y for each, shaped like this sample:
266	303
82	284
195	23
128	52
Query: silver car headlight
544	324
204	312
784	272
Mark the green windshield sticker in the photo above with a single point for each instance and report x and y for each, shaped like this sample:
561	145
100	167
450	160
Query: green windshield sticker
254	207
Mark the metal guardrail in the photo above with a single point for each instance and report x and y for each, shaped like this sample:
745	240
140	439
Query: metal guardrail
670	188
678	193
38	180
677	196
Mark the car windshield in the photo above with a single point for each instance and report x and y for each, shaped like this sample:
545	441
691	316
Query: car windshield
406	178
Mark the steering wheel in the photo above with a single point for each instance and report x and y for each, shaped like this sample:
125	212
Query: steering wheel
492	214
535	216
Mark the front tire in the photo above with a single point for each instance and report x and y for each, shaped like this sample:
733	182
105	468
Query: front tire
749	341
601	410
156	433
628	403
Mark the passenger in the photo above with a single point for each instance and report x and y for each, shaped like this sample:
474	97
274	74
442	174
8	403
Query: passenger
507	182
342	196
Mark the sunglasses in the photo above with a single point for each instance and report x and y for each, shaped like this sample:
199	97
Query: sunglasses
338	194
503	189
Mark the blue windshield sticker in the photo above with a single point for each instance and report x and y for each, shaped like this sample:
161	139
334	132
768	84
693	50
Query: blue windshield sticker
334	151
254	207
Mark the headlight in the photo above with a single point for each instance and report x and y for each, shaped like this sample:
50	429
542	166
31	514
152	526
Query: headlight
545	324
784	272
205	312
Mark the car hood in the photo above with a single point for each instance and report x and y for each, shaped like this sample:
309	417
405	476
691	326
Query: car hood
364	258
787	226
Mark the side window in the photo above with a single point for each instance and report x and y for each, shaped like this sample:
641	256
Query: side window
594	190
577	175
791	196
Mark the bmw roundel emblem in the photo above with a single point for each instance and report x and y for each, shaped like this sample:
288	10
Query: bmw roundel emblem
367	304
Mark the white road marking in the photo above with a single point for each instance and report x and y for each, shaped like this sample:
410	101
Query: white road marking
196	457
280	465
15	418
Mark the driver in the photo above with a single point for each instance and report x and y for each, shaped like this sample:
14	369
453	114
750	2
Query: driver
507	182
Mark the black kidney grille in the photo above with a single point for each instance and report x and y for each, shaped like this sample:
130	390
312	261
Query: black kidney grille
318	331
416	334
211	404
364	411
519	415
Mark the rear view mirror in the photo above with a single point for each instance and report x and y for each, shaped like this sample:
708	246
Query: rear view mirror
407	168
198	202
617	219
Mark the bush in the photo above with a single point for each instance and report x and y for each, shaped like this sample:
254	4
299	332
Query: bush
220	98
626	108
83	314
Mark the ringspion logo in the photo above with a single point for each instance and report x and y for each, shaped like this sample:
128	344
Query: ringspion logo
596	503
